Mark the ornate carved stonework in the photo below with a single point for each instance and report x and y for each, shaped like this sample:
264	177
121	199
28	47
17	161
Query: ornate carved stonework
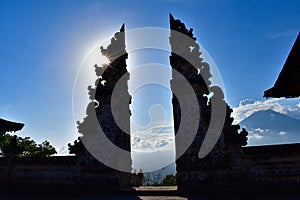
109	75
193	172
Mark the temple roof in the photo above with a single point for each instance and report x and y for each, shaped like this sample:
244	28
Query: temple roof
8	126
288	82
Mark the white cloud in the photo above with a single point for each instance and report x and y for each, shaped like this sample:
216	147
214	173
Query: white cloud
256	136
152	144
282	133
248	107
153	130
293	109
244	111
298	105
259	130
159	137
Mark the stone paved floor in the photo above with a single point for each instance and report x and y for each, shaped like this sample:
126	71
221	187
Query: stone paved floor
136	197
144	193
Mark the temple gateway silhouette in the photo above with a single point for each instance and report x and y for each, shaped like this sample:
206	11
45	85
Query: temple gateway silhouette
229	167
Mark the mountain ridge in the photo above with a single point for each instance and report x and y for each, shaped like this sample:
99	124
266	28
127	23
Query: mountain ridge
271	127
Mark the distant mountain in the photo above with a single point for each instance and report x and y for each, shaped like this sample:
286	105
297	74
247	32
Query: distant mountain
270	127
294	114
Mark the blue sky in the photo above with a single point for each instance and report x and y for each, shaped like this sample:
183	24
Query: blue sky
43	44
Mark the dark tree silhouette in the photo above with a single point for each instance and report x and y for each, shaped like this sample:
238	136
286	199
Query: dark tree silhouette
11	145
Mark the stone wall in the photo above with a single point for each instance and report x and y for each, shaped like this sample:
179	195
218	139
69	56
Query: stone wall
59	173
29	173
272	167
261	168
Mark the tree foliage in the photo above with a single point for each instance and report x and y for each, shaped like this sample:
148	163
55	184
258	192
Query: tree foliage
24	147
157	179
169	180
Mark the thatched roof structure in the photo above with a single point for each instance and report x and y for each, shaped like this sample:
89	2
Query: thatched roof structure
288	81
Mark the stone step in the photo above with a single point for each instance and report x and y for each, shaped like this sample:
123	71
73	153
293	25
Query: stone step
162	198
